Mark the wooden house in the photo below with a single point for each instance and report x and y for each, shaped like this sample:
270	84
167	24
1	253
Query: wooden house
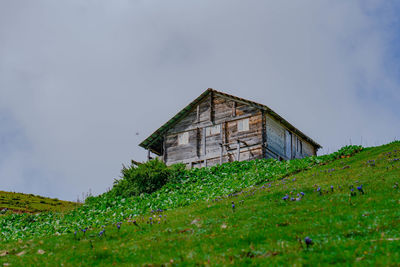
218	127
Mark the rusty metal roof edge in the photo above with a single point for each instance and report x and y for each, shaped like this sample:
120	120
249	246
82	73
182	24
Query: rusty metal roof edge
160	131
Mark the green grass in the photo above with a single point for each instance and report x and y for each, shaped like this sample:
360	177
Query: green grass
263	229
28	203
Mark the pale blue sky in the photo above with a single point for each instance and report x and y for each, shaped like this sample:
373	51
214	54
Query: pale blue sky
79	78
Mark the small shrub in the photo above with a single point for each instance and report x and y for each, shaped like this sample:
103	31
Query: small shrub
145	178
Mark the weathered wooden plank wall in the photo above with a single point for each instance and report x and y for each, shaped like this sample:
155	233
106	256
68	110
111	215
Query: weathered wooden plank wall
215	111
275	137
265	137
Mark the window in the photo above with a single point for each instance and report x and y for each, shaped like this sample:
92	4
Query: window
243	125
183	138
212	130
299	145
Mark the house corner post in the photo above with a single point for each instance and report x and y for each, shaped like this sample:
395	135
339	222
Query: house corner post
238	151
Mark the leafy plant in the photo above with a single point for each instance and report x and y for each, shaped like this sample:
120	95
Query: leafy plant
144	178
154	186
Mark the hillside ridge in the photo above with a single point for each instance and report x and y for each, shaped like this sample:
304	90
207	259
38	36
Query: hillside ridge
342	211
29	203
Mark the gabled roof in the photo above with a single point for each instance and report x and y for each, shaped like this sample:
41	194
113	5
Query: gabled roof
155	140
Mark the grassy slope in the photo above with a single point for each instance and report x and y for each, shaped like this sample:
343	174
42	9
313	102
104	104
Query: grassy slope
29	203
263	229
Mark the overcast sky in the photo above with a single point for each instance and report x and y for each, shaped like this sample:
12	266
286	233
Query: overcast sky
79	78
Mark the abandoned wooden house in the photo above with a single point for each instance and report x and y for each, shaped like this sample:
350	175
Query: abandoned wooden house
218	127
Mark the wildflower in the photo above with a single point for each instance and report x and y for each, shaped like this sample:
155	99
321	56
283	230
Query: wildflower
286	197
359	188
233	206
308	241
292	199
319	190
332	188
301	193
84	230
103	232
352	193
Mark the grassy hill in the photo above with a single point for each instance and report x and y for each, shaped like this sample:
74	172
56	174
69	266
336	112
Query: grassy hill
348	207
28	203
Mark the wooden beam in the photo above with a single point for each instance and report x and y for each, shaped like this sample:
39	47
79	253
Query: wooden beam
222	153
137	163
234	109
148	155
264	133
198	142
165	149
198	114
238	151
204	141
211	106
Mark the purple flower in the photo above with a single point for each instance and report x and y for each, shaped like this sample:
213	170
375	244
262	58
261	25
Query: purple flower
359	188
102	232
286	197
319	190
302	193
308	241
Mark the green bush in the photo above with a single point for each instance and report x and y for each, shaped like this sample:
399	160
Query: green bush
145	178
